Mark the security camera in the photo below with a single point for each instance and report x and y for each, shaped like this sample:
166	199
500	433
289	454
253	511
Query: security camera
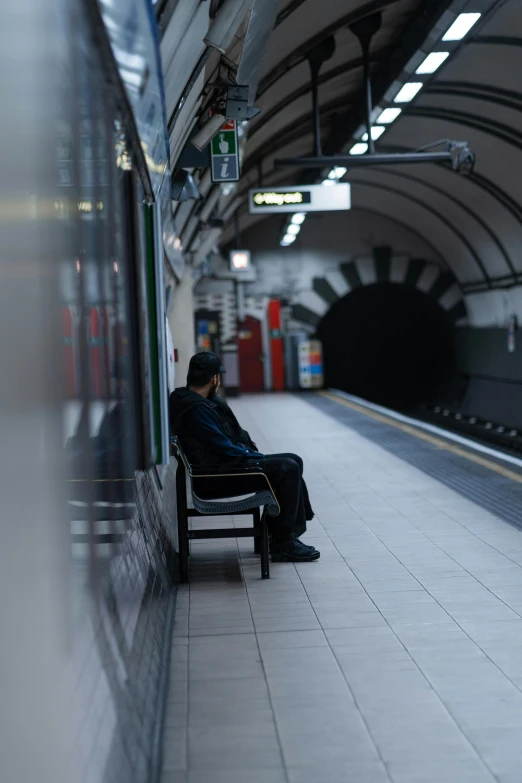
207	131
226	24
462	158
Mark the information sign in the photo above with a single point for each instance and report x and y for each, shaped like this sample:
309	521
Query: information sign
224	154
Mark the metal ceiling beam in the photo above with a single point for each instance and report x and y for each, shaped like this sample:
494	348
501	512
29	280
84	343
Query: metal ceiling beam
509	99
299	55
426	16
497	130
442	218
362	161
497	40
297	129
305	89
448	195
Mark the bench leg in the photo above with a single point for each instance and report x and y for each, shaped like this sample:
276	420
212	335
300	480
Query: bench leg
183	550
257	526
265	554
183	539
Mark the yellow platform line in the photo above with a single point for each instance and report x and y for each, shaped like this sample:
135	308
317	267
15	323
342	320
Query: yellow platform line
437	442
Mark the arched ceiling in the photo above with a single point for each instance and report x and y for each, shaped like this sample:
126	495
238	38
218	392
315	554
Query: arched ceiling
475	222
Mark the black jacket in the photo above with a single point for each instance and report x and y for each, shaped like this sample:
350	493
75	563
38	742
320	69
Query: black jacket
209	432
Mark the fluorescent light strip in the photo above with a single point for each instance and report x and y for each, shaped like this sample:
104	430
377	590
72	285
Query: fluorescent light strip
337	172
388	116
432	62
288	239
293	229
408	92
376	132
461	27
328	182
359	149
298	219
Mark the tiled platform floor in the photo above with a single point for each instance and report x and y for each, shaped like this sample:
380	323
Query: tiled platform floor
396	657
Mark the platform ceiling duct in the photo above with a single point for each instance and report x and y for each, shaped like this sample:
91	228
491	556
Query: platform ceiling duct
260	25
226	24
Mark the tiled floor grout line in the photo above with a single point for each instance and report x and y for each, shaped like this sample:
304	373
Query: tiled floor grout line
187	740
519	688
412	660
425	589
347	683
278	734
370	544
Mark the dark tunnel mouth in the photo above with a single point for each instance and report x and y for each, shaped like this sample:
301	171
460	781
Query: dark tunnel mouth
389	343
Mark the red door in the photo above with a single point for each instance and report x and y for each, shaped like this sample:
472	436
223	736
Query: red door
251	371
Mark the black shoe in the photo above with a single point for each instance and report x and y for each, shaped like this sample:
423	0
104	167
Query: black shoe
307	546
304	546
293	552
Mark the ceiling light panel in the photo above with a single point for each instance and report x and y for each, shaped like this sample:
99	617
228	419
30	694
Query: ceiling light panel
298	218
376	132
359	149
461	27
388	115
432	62
408	92
337	172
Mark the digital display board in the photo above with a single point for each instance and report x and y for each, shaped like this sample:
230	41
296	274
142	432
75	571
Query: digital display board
305	198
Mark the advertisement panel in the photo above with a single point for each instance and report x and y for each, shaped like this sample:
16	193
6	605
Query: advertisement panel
310	364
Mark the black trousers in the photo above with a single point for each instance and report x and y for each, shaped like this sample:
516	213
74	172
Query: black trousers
285	473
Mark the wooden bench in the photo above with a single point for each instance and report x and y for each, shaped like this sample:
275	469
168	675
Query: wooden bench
213	490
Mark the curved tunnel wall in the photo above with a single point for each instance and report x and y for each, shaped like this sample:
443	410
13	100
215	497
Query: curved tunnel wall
311	304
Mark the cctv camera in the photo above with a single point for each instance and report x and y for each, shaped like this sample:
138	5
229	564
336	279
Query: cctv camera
226	24
462	158
207	132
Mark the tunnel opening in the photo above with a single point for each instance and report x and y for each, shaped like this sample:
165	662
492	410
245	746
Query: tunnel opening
391	344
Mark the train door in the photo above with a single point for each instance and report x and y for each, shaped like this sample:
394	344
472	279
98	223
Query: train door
251	369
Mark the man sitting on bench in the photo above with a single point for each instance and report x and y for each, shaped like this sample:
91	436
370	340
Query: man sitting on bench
211	435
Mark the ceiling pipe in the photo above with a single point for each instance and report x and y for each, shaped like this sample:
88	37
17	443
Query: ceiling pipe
364	29
316	57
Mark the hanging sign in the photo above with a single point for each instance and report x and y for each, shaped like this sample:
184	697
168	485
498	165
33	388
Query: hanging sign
239	260
224	154
310	364
305	198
